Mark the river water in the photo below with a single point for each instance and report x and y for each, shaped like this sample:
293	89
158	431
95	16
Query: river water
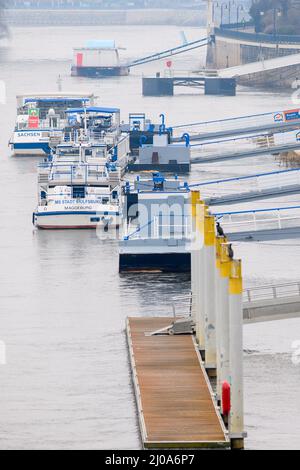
67	384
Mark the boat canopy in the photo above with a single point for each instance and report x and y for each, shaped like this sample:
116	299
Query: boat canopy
59	97
93	109
100	44
55	100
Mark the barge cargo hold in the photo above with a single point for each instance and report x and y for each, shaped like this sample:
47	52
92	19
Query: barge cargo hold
157	233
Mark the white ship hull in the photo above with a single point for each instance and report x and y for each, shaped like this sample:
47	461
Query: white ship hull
31	142
76	219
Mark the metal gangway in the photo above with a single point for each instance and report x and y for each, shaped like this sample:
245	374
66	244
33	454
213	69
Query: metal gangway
259	186
271	302
170	52
245	147
261	224
260	304
235	126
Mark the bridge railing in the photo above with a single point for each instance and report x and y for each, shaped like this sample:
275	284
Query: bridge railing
271	292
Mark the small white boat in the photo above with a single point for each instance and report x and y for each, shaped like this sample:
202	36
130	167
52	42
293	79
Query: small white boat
42	117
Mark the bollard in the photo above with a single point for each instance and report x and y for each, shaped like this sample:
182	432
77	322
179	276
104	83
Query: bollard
221	316
210	293
236	354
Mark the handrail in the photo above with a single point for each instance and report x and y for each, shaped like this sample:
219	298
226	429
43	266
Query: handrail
259	37
184	226
217	121
247	177
272	292
254	211
172	51
232	139
127	237
249	293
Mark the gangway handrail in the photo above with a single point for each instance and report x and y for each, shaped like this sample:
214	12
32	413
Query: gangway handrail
240	178
255	211
138	230
217	121
180	49
165	56
232	139
250	292
273	288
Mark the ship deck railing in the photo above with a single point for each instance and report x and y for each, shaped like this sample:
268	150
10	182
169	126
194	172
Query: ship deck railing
44	124
155	229
101	138
70	174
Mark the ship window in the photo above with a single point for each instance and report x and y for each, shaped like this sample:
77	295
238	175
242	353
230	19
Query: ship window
78	192
95	219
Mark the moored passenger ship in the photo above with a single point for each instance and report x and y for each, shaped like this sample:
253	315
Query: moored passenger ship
78	185
42	117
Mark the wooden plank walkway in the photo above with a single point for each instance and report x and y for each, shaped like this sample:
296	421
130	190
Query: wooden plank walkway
173	394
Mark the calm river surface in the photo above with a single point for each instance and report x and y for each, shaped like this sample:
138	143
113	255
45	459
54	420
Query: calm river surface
63	305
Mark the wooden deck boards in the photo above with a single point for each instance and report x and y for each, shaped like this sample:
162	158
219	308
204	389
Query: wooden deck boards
174	399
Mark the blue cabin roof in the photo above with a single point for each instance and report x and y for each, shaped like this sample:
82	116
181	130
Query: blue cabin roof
55	100
100	44
93	109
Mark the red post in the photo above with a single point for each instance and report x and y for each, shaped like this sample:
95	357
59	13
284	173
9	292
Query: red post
79	58
226	399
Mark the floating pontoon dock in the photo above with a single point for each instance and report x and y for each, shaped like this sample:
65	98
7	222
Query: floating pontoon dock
173	393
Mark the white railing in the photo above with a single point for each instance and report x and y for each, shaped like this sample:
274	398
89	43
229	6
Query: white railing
44	124
270	219
167	230
73	174
233	146
260	182
272	292
155	229
239	122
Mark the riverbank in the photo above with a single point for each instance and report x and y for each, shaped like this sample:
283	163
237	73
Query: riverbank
104	17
